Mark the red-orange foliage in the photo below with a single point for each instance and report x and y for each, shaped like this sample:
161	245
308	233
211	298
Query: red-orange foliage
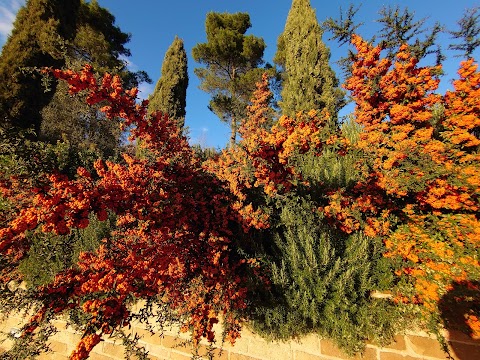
172	238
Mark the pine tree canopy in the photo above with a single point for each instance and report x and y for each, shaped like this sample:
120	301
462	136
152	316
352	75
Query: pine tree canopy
469	33
170	94
53	33
36	41
232	61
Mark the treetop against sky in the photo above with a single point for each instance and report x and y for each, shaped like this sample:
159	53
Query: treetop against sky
154	25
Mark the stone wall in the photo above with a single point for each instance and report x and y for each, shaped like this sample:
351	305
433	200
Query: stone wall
171	346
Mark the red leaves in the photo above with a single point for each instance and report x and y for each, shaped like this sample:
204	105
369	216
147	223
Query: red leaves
172	234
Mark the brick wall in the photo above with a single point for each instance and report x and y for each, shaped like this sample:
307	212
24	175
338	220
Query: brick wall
171	346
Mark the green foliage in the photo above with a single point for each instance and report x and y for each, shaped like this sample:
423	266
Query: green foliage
50	254
170	94
98	40
205	153
231	61
322	278
50	33
101	43
398	27
69	119
469	33
39	31
321	282
308	80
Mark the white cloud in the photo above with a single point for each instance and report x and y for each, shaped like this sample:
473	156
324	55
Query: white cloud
130	65
8	11
144	90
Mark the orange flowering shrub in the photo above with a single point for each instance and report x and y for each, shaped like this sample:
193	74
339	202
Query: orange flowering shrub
422	154
173	230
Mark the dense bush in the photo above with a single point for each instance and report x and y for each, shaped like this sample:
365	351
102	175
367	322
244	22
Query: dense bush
328	215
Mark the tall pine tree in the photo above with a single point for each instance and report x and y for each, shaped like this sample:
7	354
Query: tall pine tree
170	95
38	34
232	61
308	80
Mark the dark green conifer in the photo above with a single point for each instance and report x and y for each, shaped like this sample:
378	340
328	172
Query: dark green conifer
308	80
170	95
38	34
232	61
101	43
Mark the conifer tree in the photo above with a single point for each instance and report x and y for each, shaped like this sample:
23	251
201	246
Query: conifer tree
171	90
399	27
36	40
309	82
232	62
99	42
468	33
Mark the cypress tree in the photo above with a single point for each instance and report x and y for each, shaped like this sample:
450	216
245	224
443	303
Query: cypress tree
308	80
36	41
232	62
171	90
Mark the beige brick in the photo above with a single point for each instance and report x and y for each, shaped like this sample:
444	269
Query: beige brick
180	356
234	356
11	322
240	346
176	343
369	354
6	345
329	348
147	337
60	324
271	350
300	355
51	356
68	337
425	346
465	351
158	351
394	356
58	347
398	343
309	343
114	350
95	356
216	354
153	357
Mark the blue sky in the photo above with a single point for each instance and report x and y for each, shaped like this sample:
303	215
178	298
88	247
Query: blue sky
153	25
